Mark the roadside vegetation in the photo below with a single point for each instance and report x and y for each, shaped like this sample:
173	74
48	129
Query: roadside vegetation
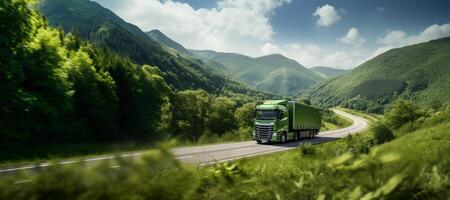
332	121
385	162
61	95
371	117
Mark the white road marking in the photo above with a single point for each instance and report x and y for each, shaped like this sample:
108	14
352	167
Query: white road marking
182	157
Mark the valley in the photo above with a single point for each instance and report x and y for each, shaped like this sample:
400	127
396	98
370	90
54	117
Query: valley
96	104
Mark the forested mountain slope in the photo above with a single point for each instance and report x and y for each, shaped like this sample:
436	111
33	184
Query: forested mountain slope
328	72
56	88
272	73
158	36
103	28
418	72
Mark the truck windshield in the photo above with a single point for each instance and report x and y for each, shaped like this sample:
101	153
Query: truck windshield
266	114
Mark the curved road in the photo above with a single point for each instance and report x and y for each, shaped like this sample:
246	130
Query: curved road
209	154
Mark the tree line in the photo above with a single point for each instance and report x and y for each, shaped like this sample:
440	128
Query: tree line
58	88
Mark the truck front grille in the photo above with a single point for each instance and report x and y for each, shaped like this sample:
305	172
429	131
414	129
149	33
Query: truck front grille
264	132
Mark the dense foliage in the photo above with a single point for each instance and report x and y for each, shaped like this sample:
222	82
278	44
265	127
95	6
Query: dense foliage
414	166
57	88
419	73
197	115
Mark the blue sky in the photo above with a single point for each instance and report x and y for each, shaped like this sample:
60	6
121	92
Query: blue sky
340	34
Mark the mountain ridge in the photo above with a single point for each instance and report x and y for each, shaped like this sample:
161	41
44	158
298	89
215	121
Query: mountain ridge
158	36
103	28
287	78
274	73
418	72
328	72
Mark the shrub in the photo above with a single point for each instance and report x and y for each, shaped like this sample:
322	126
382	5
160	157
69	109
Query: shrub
442	115
381	133
360	143
402	112
307	149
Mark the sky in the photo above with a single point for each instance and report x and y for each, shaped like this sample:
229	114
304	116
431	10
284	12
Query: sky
340	34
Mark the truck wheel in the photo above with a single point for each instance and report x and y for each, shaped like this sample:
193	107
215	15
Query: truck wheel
259	141
283	138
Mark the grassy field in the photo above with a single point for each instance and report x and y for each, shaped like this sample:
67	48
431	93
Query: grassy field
332	121
414	166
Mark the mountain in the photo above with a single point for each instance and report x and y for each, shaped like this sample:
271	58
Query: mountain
176	47
272	73
418	72
163	39
328	72
104	29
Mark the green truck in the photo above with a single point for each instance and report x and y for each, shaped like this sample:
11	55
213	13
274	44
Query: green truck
282	120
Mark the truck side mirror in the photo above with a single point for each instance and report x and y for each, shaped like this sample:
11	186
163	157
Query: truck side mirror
281	115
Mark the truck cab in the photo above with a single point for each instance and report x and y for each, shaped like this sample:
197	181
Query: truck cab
271	122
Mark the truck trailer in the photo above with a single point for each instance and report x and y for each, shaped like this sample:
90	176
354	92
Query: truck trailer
282	121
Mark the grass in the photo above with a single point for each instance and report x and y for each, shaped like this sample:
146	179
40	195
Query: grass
414	166
332	121
371	117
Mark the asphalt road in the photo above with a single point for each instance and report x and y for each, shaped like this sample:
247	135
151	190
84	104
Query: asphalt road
209	154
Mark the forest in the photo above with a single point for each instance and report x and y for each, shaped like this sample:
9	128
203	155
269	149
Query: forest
58	89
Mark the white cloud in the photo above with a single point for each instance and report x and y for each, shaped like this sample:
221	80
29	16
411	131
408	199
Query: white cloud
380	9
233	25
352	37
393	38
327	15
396	38
311	55
270	48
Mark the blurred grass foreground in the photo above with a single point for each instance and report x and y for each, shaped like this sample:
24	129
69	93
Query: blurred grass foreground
414	166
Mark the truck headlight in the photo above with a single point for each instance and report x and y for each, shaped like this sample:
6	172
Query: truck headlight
274	134
253	132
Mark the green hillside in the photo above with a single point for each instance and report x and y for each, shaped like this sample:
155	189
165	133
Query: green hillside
103	28
163	39
272	73
419	72
328	72
180	50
